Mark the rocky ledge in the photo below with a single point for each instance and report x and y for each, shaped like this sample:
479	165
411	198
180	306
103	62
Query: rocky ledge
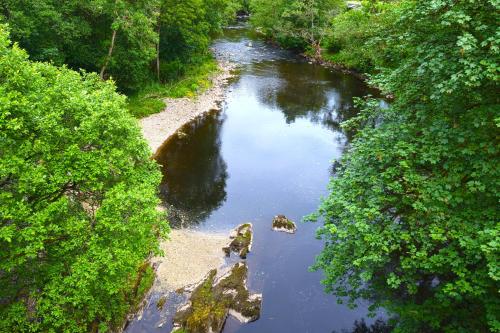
282	223
241	240
214	299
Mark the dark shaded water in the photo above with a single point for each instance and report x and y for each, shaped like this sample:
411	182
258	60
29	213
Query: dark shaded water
269	152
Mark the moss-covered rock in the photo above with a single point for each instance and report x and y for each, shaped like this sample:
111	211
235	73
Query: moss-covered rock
241	240
214	299
161	302
205	311
243	305
282	223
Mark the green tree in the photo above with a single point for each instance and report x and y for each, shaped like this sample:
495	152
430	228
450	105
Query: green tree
77	198
412	218
357	37
309	20
116	38
129	41
296	23
131	45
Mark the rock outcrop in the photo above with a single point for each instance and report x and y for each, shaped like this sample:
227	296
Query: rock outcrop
214	299
241	241
282	223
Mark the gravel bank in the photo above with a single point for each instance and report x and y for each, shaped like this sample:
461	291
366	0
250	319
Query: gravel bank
160	126
189	255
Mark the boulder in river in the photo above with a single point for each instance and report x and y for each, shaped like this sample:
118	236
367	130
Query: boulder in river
241	241
282	223
214	299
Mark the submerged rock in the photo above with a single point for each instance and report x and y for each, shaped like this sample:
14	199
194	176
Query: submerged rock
161	303
214	299
241	242
282	223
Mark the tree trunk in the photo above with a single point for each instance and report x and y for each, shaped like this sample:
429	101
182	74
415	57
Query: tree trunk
110	53
158	53
317	50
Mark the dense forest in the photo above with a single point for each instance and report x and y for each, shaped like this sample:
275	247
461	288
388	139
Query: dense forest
411	221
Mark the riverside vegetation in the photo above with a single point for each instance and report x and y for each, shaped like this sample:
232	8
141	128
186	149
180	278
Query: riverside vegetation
411	221
78	190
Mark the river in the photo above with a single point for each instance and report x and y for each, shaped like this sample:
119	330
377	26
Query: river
269	151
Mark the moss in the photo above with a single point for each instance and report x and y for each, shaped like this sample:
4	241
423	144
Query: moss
242	241
145	284
207	310
161	302
135	294
282	223
180	330
241	301
210	303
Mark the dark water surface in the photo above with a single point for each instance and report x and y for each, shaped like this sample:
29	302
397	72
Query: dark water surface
269	152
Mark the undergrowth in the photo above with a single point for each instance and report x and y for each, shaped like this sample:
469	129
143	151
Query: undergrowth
194	79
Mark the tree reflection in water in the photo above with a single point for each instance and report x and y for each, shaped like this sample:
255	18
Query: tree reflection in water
194	173
379	326
322	96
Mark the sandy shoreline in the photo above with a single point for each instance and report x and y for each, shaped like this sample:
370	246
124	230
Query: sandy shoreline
189	254
157	128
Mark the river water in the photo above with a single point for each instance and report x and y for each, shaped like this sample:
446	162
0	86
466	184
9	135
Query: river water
269	151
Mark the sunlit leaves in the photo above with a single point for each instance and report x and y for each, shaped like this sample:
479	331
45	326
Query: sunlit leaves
77	198
414	206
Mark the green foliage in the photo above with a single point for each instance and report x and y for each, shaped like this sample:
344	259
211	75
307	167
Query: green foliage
79	34
121	39
357	38
143	105
195	78
412	219
78	198
295	23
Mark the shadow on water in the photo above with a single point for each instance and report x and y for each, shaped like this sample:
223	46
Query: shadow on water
194	172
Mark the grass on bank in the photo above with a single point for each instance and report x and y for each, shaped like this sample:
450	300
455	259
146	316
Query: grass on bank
195	79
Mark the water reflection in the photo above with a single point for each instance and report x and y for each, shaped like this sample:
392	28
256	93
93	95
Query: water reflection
379	326
194	172
313	92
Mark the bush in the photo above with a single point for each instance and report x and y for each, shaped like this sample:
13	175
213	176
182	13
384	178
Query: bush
357	38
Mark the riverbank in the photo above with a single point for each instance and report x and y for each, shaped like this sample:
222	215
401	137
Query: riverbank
157	128
336	66
189	255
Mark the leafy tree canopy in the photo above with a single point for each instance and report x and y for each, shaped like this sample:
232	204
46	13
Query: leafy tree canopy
77	198
296	23
122	39
412	217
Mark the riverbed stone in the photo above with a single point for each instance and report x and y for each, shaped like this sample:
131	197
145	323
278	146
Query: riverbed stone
282	223
161	302
214	299
241	240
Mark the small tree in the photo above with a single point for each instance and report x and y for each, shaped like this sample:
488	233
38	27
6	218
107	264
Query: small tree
309	20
